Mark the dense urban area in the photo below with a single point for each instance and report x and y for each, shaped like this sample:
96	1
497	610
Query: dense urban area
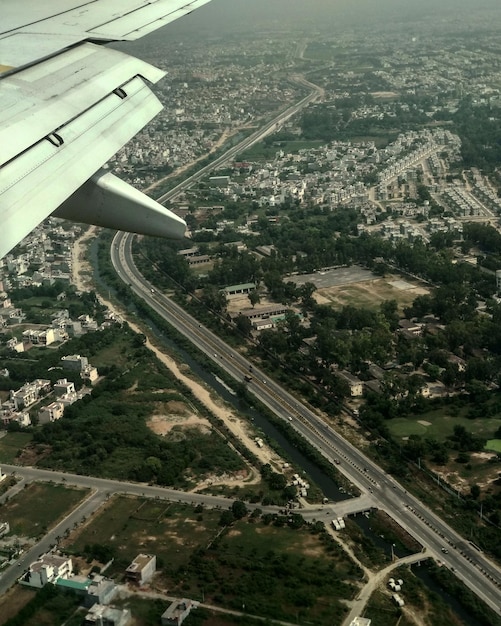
351	256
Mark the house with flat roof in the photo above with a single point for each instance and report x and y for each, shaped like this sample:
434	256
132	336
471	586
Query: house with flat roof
177	612
100	615
47	569
51	413
244	288
141	569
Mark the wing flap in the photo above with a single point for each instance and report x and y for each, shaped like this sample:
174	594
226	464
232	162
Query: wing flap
41	178
47	96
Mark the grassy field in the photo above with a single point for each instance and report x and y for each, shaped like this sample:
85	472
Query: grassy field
440	425
11	444
276	571
118	353
13	601
493	444
46	607
133	525
28	513
370	294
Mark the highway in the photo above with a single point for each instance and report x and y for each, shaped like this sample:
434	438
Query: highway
471	566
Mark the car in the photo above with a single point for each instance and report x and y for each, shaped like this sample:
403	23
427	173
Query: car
444	550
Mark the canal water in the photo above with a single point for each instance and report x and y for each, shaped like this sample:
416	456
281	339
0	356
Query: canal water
422	572
329	488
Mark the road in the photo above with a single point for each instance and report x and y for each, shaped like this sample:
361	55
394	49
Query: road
478	572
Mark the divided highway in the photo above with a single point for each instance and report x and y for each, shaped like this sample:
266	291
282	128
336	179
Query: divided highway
471	566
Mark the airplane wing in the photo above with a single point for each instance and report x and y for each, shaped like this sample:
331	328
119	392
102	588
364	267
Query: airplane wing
68	104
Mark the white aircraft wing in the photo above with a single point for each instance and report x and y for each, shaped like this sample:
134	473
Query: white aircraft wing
68	104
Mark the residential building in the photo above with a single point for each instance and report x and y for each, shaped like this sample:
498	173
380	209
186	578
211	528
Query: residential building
89	373
8	415
100	615
177	612
63	387
29	393
141	569
355	384
101	591
47	569
74	362
51	413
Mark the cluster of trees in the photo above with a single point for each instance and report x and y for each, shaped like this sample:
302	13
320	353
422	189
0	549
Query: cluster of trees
480	134
239	569
351	336
38	303
106	432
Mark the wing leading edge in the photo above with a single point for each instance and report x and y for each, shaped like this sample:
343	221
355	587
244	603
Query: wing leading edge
64	116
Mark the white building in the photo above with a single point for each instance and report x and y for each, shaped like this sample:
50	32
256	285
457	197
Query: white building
47	569
50	413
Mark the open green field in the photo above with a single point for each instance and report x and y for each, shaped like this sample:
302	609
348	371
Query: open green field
371	294
493	444
117	353
11	444
277	571
440	425
29	513
133	525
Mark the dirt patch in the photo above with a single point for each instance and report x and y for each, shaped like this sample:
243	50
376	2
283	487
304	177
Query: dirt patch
484	456
34	453
309	547
13	601
163	424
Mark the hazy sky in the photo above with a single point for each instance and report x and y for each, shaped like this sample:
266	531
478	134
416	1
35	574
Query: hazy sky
243	14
